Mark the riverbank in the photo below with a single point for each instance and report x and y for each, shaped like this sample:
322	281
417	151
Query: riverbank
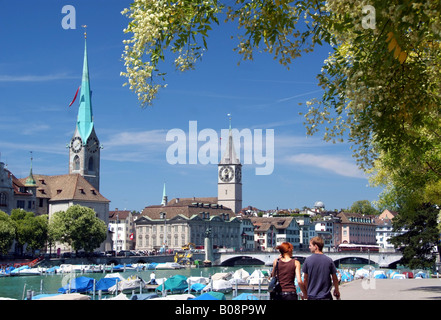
391	289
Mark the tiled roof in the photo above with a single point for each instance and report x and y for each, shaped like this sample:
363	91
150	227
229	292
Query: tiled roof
346	218
66	187
277	222
187	207
122	214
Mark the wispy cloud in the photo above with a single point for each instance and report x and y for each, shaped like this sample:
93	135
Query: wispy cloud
297	96
35	78
336	164
141	138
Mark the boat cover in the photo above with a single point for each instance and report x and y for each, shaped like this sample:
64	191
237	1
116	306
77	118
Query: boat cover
78	285
176	283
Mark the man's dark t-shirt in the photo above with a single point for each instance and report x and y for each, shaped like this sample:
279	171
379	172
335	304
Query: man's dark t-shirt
319	268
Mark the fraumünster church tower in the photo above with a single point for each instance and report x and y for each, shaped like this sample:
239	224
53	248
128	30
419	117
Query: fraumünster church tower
84	147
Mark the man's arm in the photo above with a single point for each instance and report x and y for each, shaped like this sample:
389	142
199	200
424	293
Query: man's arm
335	281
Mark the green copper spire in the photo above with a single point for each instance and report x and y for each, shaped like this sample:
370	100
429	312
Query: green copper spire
85	116
30	181
164	197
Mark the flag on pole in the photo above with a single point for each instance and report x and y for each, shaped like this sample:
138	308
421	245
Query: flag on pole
76	93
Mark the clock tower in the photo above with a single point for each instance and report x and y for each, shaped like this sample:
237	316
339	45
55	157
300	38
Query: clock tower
84	147
229	186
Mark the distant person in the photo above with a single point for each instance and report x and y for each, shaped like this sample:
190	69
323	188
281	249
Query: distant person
287	270
318	269
152	278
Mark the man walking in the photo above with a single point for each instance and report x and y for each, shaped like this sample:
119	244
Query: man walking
318	270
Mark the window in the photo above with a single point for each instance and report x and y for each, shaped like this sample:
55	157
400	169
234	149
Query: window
3	199
76	161
91	166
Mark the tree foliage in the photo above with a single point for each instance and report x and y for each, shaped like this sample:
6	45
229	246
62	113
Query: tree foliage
7	232
420	238
381	81
78	227
30	229
364	207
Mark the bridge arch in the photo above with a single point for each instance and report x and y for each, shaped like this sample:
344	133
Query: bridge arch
242	260
353	261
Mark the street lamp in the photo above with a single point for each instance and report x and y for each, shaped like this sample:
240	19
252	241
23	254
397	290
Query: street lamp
163	215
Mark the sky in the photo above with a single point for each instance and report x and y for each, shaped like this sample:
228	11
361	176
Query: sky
40	71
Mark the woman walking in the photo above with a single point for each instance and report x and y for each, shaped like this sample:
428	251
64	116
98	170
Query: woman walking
287	270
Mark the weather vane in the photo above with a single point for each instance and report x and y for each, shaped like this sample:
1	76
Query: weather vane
229	117
85	30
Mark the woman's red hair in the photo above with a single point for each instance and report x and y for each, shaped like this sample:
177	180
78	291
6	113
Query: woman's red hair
285	247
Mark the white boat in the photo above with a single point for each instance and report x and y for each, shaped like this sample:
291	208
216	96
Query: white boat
128	285
27	271
169	265
193	280
257	277
222	276
240	277
223	286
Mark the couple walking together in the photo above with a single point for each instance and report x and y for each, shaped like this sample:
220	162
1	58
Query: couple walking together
317	269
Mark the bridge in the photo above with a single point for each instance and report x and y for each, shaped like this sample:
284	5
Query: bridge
382	259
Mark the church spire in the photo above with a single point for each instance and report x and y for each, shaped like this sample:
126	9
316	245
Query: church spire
229	156
85	116
164	197
30	181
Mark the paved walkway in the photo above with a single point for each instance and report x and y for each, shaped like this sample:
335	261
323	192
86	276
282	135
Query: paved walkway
392	289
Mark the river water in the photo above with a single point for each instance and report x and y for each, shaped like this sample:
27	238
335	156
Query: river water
15	287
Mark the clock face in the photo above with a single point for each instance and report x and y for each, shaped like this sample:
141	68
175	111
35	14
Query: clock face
226	174
238	174
76	144
92	144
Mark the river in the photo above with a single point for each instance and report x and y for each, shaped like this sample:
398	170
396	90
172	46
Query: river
15	287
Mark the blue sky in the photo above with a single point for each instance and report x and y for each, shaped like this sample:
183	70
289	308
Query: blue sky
40	70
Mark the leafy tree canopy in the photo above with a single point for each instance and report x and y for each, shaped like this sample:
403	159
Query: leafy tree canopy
7	232
78	227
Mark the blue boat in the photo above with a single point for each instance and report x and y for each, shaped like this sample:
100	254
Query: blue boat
78	285
105	283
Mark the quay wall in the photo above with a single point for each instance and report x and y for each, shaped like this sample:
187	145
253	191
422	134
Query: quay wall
114	260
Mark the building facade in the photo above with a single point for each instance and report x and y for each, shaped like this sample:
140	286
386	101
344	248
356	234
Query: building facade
184	221
357	228
122	228
270	232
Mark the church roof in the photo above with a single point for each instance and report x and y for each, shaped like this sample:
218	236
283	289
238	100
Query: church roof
66	187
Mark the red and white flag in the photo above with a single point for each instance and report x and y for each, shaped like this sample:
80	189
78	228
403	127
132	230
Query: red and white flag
76	93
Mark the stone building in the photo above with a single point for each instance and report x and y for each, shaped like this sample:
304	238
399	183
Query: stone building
183	221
